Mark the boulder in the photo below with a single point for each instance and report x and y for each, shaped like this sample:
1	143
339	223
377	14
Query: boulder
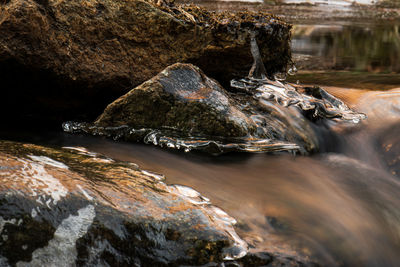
182	108
74	57
73	207
67	207
181	97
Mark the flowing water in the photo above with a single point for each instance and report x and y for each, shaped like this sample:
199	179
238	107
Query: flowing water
340	206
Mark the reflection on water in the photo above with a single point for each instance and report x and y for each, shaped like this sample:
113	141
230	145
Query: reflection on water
373	48
367	56
331	2
363	43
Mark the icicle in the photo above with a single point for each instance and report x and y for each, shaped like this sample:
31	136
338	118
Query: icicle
257	71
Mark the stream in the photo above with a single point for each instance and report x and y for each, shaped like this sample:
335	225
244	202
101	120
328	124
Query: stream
339	206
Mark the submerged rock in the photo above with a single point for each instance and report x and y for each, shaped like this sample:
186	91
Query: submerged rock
75	57
380	106
72	207
383	110
182	108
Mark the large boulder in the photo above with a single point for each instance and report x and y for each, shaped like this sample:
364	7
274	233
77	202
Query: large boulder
72	207
74	57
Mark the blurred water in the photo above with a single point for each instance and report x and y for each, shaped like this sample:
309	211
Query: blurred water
341	206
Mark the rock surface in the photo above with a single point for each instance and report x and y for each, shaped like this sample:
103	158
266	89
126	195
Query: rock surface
62	55
70	206
181	97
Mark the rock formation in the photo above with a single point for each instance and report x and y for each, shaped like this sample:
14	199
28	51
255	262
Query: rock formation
63	60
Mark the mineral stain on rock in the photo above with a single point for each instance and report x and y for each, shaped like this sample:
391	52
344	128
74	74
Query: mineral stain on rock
61	250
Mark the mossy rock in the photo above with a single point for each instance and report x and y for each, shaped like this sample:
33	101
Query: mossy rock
181	97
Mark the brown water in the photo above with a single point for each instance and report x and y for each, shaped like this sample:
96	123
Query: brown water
340	207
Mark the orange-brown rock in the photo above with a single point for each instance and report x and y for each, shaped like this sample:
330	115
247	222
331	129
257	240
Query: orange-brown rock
74	57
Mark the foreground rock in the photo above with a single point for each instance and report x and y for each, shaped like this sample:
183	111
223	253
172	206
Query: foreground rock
62	55
184	109
67	207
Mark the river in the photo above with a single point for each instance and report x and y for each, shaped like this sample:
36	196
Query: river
339	206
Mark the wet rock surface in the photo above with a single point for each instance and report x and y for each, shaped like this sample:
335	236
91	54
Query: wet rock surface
184	109
65	206
380	105
71	53
72	206
180	97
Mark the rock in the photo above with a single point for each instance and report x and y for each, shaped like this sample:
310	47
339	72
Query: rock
72	207
182	108
180	97
59	56
66	207
383	112
382	126
380	106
